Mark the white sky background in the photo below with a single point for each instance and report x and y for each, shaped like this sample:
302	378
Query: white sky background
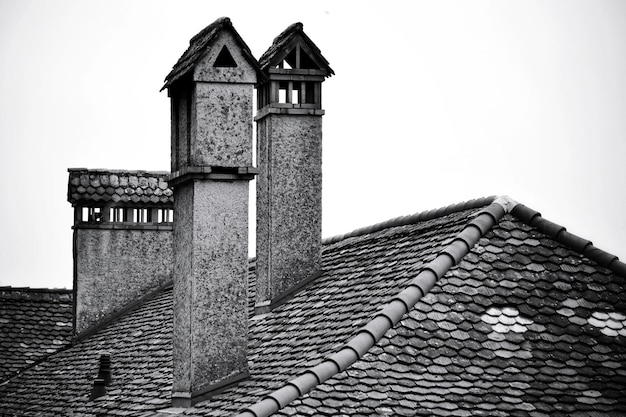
433	103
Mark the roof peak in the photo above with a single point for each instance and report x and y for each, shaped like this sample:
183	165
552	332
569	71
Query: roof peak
222	21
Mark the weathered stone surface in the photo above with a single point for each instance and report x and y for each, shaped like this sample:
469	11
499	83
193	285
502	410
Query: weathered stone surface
210	282
115	268
205	69
222	125
289	193
212	117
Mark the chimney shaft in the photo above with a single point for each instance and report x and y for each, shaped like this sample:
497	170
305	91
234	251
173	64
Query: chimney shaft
289	186
211	168
121	220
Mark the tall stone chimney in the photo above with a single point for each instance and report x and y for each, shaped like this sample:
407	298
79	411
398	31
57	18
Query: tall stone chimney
211	90
289	186
122	240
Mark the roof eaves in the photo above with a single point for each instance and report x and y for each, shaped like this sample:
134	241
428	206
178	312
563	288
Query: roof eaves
561	235
389	315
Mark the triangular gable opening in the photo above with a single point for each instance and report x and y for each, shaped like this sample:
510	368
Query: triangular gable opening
225	59
298	58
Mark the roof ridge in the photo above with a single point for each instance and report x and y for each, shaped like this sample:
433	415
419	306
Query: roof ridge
413	218
560	234
388	316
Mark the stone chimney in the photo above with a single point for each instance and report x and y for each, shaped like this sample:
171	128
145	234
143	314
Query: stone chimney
211	90
122	240
289	185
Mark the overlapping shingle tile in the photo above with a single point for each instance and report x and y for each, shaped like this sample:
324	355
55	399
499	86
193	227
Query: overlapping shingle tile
33	324
535	339
97	187
522	325
140	345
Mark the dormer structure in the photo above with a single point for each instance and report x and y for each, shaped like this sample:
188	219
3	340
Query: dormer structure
211	89
289	149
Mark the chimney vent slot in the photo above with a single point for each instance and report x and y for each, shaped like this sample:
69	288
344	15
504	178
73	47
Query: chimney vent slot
104	377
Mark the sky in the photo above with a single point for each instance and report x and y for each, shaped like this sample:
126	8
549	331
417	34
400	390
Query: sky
433	103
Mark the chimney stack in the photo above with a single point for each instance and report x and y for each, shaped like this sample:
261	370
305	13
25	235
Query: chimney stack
211	90
121	220
289	185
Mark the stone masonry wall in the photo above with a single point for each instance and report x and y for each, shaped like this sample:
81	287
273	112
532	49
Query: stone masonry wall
115	268
289	193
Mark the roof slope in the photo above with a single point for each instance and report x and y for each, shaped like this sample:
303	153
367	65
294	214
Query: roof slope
33	324
140	345
522	325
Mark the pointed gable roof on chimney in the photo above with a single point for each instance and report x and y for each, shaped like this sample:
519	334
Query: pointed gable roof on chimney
198	46
284	44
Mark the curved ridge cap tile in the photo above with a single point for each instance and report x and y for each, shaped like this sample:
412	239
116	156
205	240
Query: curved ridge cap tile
524	213
344	358
549	228
618	267
410	296
266	407
376	328
305	382
425	280
575	242
362	342
469	235
457	250
603	258
441	264
394	311
495	210
411	219
484	222
285	395
560	234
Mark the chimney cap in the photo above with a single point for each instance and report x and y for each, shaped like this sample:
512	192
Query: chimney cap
198	46
284	45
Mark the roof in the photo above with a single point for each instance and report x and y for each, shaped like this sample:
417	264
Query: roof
280	45
482	308
199	44
33	324
99	187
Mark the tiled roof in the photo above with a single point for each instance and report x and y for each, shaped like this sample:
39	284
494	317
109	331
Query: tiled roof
523	325
281	41
198	46
33	324
95	187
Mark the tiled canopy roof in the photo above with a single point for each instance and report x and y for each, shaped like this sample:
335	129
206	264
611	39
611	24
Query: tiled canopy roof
198	46
523	324
33	324
98	187
281	42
